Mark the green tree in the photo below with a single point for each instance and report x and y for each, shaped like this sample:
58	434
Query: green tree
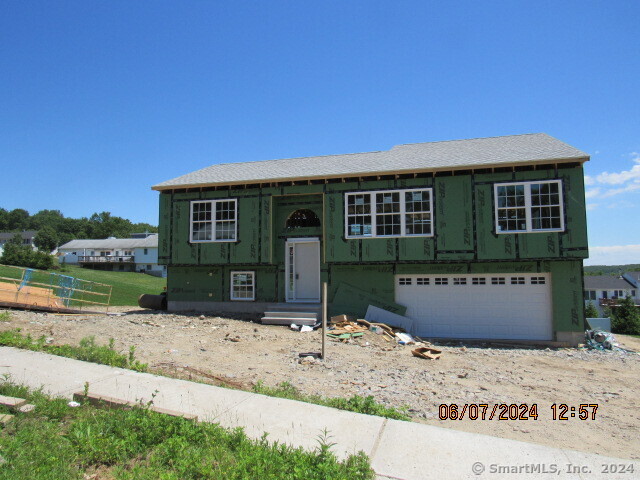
104	225
46	239
15	240
590	311
46	218
17	219
4	219
625	318
24	256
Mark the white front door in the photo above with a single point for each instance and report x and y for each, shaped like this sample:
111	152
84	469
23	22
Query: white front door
302	267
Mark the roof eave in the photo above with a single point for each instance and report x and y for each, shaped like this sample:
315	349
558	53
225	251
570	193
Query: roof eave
160	187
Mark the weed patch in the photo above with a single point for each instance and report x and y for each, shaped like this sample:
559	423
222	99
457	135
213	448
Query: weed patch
356	403
88	350
66	443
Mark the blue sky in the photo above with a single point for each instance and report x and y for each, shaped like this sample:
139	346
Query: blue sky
100	100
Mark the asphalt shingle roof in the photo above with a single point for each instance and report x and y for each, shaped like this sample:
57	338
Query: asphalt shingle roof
606	282
149	242
510	150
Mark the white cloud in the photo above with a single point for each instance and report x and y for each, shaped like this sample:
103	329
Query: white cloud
594	192
617	191
591	206
621	204
624	181
621	177
625	176
614	255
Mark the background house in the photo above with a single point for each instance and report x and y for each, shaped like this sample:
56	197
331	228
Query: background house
480	238
634	279
136	254
27	238
606	290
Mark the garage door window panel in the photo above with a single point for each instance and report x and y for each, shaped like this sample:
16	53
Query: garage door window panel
529	207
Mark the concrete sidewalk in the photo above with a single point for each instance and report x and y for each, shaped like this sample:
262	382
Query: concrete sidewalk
398	450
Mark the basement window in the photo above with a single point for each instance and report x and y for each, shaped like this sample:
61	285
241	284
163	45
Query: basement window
243	286
529	207
213	221
389	213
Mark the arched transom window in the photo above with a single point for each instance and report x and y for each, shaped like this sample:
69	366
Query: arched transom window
302	218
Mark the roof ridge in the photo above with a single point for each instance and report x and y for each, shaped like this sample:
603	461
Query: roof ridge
292	158
467	139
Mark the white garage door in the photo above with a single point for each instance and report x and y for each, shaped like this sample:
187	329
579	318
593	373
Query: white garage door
506	306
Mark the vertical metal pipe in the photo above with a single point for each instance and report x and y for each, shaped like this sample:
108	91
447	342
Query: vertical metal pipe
324	318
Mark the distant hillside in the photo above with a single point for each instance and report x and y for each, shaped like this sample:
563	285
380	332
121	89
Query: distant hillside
613	270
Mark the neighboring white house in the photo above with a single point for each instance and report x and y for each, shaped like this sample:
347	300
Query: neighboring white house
605	290
27	238
634	279
139	254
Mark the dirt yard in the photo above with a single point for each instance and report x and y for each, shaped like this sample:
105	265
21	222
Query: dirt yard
241	353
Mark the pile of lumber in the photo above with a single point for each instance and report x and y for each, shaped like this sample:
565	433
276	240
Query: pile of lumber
346	324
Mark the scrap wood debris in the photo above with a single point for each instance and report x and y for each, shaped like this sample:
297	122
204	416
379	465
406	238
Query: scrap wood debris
427	353
345	327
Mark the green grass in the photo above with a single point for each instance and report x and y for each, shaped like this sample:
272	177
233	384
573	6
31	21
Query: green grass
56	441
88	350
127	286
356	403
5	316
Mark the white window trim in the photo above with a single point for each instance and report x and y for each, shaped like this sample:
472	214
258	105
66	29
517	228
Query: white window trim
213	221
402	213
527	206
253	286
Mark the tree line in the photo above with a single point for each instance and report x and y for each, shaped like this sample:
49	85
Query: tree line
54	229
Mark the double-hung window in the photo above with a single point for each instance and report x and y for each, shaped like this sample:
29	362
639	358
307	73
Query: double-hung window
243	286
214	220
389	213
523	207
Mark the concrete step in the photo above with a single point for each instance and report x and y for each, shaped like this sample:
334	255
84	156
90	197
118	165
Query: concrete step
291	314
287	320
294	307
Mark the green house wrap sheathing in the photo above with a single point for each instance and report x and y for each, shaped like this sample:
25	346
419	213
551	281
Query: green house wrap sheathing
567	294
211	284
464	225
360	270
